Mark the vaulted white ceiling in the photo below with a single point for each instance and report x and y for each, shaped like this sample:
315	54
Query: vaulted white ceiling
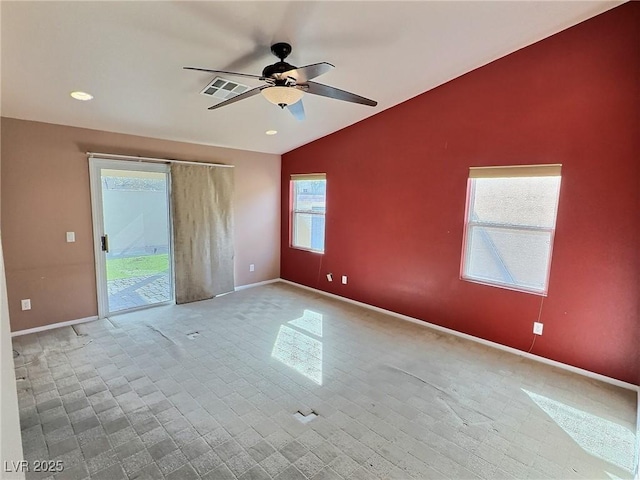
130	55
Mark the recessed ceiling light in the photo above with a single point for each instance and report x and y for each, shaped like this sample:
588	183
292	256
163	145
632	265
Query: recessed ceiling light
271	132
84	96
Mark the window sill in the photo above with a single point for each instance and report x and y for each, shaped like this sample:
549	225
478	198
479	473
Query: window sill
513	288
321	252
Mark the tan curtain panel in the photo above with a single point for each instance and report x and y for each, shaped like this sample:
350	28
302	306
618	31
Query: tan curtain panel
202	230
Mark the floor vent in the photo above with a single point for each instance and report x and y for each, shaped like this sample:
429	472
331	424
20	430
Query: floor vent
223	89
305	417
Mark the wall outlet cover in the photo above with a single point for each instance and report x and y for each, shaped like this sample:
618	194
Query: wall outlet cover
26	304
329	277
537	328
252	268
344	279
71	237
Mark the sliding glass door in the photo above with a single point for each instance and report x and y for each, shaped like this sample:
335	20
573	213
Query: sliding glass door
132	234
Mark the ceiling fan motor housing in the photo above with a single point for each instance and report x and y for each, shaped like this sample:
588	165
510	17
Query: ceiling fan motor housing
282	51
279	67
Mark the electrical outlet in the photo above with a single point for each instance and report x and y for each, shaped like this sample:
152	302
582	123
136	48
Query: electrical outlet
26	304
329	277
252	268
71	237
537	328
344	279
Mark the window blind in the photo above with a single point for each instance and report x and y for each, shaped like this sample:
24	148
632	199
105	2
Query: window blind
309	176
550	170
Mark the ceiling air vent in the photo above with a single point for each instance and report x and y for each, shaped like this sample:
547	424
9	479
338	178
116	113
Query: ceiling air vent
222	88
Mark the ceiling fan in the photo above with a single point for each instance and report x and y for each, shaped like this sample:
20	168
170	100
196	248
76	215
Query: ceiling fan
286	84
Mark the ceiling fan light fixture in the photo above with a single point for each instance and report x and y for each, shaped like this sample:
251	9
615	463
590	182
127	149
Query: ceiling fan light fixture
282	96
82	96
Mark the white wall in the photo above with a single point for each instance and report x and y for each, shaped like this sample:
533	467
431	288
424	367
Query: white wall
10	437
637	472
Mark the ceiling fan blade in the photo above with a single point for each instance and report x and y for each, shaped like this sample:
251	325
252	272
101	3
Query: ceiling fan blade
248	75
237	98
332	92
306	73
297	110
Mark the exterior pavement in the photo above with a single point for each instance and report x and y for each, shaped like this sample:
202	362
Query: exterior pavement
126	293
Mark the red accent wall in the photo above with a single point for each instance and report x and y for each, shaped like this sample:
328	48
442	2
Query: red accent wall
396	186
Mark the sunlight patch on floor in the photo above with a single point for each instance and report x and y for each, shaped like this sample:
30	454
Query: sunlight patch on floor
597	436
612	476
298	350
310	321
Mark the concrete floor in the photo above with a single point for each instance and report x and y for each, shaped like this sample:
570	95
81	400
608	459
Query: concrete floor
209	390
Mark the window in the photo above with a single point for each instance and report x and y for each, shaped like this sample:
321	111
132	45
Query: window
511	219
309	207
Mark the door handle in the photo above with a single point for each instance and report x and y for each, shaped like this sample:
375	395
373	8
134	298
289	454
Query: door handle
104	243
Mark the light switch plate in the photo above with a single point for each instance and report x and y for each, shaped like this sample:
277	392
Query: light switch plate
537	328
26	304
344	279
71	237
252	267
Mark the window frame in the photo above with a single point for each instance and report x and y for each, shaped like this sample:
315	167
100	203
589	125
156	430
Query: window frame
295	211
516	171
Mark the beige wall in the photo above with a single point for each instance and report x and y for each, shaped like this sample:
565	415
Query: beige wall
45	193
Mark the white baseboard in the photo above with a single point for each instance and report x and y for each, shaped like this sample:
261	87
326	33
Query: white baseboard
53	325
257	284
515	351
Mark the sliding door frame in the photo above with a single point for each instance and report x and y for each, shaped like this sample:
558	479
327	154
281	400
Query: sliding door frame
95	167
